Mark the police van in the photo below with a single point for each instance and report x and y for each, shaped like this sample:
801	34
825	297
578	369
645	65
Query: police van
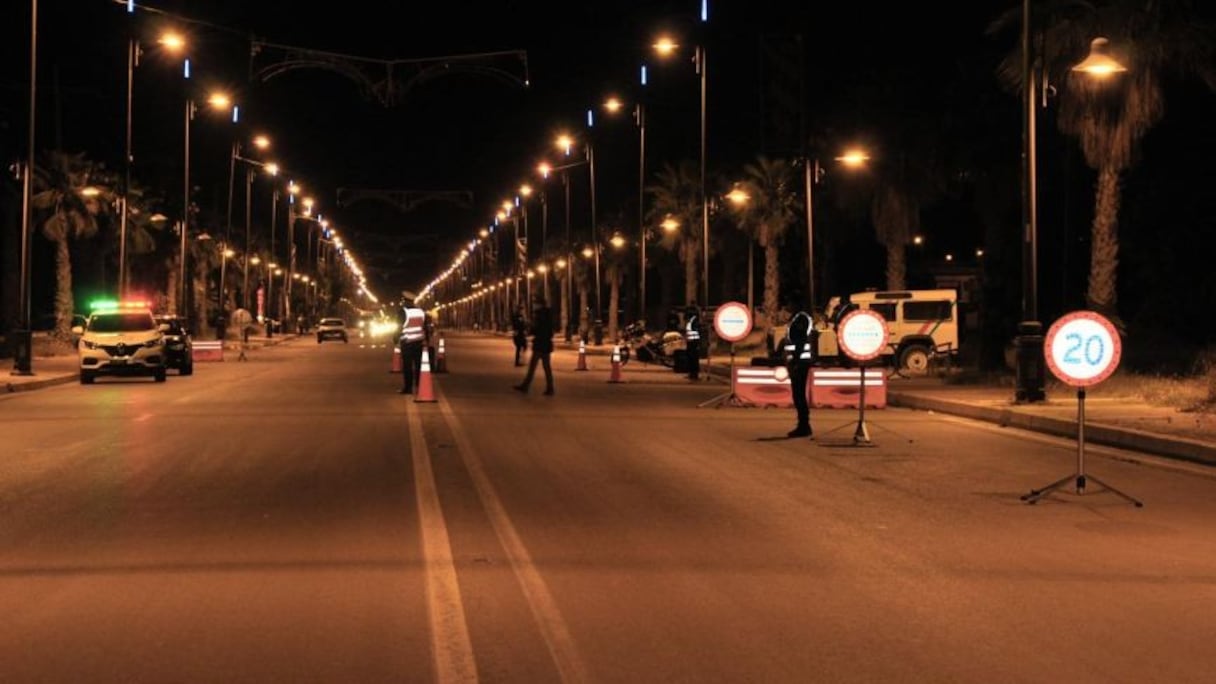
922	324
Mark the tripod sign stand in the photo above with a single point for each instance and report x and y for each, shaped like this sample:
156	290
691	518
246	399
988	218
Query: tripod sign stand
1082	349
732	322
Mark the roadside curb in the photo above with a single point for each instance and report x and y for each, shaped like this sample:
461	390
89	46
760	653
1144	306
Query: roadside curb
1180	448
40	384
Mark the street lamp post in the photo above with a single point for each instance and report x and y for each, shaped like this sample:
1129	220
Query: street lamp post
23	356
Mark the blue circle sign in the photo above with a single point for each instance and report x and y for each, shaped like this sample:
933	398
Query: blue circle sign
1082	348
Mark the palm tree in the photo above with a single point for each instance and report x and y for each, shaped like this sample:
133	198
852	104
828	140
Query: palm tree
771	207
67	214
896	216
676	195
1110	117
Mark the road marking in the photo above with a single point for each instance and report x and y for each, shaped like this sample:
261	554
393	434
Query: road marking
544	608
451	648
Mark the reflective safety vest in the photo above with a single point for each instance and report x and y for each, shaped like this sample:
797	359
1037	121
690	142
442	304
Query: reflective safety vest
798	338
412	330
692	331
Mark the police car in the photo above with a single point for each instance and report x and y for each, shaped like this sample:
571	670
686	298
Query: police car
121	339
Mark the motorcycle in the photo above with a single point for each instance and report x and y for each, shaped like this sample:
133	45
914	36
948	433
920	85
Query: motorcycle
649	349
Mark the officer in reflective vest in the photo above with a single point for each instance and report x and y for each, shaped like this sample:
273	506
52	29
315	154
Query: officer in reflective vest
799	354
413	337
692	340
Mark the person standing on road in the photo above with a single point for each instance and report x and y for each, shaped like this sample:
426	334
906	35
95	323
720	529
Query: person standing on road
542	346
413	337
519	328
692	340
799	354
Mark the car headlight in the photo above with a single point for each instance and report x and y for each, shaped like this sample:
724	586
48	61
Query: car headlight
88	344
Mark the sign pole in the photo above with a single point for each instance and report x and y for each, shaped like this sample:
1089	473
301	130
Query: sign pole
732	322
1082	349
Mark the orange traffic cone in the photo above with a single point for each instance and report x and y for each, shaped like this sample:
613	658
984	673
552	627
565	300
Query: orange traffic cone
441	363
616	364
396	360
582	355
425	391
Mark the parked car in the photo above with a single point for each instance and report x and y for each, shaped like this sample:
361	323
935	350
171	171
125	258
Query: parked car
122	340
179	345
331	329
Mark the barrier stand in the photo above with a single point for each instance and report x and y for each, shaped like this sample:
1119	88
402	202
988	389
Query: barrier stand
729	398
441	362
616	364
426	392
396	368
582	355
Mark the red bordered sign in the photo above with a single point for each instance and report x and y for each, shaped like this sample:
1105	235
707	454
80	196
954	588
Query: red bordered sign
733	321
1082	348
862	334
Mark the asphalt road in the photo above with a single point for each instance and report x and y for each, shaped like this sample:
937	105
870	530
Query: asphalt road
293	519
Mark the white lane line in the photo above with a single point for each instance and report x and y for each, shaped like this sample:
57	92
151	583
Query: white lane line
451	648
544	608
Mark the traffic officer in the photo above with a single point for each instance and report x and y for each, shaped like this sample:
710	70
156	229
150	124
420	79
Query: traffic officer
413	337
692	340
799	354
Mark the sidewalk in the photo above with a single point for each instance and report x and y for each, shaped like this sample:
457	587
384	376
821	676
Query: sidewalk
1118	422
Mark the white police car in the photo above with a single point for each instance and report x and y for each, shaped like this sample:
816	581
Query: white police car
121	339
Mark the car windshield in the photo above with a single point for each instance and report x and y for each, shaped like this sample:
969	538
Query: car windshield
121	322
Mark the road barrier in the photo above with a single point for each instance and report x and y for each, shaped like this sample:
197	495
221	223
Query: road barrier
826	388
207	350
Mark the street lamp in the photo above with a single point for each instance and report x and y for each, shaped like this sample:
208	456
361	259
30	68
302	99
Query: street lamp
665	46
614	105
813	172
221	102
1029	372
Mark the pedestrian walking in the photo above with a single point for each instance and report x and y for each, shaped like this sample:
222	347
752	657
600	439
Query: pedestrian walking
413	337
692	340
799	347
519	334
542	346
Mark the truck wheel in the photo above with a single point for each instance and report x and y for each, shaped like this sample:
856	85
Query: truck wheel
914	359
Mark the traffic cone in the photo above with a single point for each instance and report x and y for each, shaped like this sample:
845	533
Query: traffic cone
396	360
425	390
582	355
616	364
441	362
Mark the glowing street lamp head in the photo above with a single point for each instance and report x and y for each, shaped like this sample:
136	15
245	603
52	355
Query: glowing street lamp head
261	142
172	41
565	142
525	190
738	197
1099	64
854	158
665	45
543	169
613	104
617	240
588	252
670	224
272	168
219	100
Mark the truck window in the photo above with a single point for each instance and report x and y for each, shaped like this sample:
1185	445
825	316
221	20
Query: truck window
928	311
885	309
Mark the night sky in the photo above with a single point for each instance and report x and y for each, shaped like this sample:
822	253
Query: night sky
870	72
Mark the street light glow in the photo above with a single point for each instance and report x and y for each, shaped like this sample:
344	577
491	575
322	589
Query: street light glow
172	41
665	45
854	158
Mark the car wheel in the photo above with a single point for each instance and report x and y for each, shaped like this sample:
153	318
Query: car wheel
344	340
318	339
160	375
187	369
914	359
87	377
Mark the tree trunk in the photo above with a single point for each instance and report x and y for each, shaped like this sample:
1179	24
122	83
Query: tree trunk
1104	246
584	324
897	265
171	291
689	252
772	282
565	302
65	305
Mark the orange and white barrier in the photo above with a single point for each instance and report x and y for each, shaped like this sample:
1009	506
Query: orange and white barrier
826	387
841	388
425	390
582	355
207	350
616	364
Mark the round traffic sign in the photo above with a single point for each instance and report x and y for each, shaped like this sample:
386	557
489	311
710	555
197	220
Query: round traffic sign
862	334
733	321
1082	348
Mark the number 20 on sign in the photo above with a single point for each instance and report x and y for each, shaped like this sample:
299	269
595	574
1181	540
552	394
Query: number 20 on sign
1082	348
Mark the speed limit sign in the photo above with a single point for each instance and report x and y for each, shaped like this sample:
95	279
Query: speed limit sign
1082	348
